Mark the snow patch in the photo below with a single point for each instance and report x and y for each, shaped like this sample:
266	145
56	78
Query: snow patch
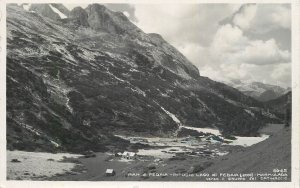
126	14
11	78
248	141
26	6
54	143
133	70
219	153
85	72
164	95
139	91
117	78
249	112
31	129
171	115
68	105
204	130
61	15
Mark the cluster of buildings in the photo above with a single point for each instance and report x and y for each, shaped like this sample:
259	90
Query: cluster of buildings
125	155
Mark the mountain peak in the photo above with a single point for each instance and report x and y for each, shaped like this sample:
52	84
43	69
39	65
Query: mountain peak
101	18
96	6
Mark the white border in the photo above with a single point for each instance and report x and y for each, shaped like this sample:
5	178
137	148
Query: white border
295	5
2	94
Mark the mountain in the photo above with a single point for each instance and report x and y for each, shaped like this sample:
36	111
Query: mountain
73	83
260	91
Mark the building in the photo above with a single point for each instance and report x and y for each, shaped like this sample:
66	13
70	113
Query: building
110	172
119	154
129	155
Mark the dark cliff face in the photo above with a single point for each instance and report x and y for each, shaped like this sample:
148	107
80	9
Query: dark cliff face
99	19
281	105
81	15
74	87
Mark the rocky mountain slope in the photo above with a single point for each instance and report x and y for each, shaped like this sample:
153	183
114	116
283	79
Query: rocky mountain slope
260	91
282	106
260	158
74	82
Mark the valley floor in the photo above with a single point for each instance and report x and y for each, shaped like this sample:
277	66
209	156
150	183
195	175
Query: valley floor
23	165
185	163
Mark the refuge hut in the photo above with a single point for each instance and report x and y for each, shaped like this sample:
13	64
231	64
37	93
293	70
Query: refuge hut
110	172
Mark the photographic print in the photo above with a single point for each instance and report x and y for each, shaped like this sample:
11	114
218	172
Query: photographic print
149	92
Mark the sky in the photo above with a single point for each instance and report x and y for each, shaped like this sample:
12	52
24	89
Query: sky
248	42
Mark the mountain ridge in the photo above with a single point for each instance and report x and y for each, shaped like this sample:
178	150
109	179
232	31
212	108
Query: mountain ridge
258	90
